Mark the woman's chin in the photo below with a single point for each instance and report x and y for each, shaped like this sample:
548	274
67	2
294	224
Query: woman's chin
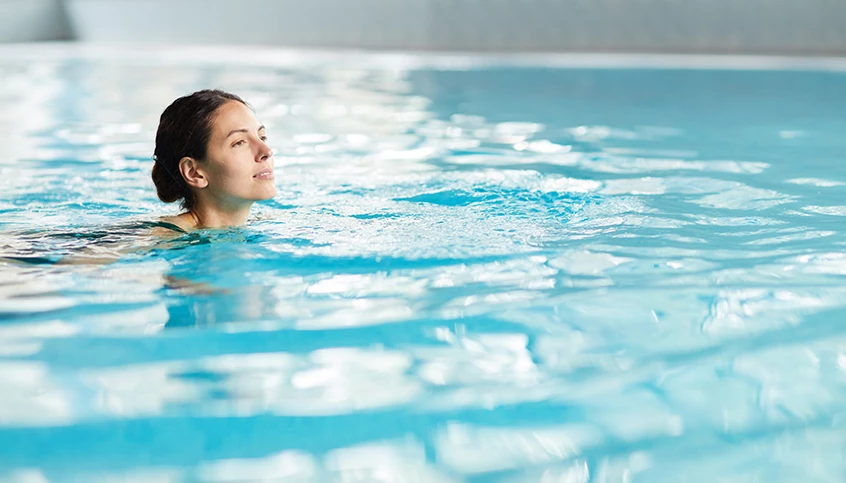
268	194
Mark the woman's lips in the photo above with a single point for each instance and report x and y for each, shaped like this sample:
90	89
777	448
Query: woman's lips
264	174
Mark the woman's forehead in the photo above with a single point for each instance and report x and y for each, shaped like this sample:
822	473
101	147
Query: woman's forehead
234	115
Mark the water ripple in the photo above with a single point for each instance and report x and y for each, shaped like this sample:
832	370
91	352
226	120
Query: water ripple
468	275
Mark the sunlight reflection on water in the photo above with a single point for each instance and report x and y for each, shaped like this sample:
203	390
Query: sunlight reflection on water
484	274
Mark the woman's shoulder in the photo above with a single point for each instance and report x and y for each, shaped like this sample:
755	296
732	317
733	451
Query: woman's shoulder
168	225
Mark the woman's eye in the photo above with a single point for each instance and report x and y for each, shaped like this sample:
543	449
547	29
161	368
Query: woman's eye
238	143
264	138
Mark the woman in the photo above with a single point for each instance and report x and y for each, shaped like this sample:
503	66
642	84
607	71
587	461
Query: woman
211	154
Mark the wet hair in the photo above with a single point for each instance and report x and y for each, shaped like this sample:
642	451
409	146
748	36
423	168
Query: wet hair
184	130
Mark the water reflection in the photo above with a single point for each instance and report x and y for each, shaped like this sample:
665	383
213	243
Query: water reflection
463	278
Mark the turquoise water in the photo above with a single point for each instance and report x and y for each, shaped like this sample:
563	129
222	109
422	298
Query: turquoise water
489	273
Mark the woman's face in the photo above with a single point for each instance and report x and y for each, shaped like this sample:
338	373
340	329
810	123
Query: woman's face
239	165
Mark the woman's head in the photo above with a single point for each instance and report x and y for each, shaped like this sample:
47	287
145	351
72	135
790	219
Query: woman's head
210	146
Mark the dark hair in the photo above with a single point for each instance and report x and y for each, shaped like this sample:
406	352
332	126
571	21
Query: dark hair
184	130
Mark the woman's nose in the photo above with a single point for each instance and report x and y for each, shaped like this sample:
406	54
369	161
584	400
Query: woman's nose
264	151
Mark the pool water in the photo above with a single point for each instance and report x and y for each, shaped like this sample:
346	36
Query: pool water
475	270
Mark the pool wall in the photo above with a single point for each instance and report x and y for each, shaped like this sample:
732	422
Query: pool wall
788	27
33	20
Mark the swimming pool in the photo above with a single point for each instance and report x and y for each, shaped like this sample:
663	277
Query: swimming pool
563	269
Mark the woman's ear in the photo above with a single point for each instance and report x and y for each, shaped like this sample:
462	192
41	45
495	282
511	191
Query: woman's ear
192	173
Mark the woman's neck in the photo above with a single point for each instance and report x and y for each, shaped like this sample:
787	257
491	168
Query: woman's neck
203	217
210	218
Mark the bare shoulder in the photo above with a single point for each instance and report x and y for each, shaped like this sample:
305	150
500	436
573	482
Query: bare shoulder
162	232
168	225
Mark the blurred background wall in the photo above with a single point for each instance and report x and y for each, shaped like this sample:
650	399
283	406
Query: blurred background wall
33	20
795	27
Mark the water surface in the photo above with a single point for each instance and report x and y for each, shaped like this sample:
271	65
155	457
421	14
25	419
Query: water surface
495	273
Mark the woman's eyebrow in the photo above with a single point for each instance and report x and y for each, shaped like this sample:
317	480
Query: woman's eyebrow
244	130
236	131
